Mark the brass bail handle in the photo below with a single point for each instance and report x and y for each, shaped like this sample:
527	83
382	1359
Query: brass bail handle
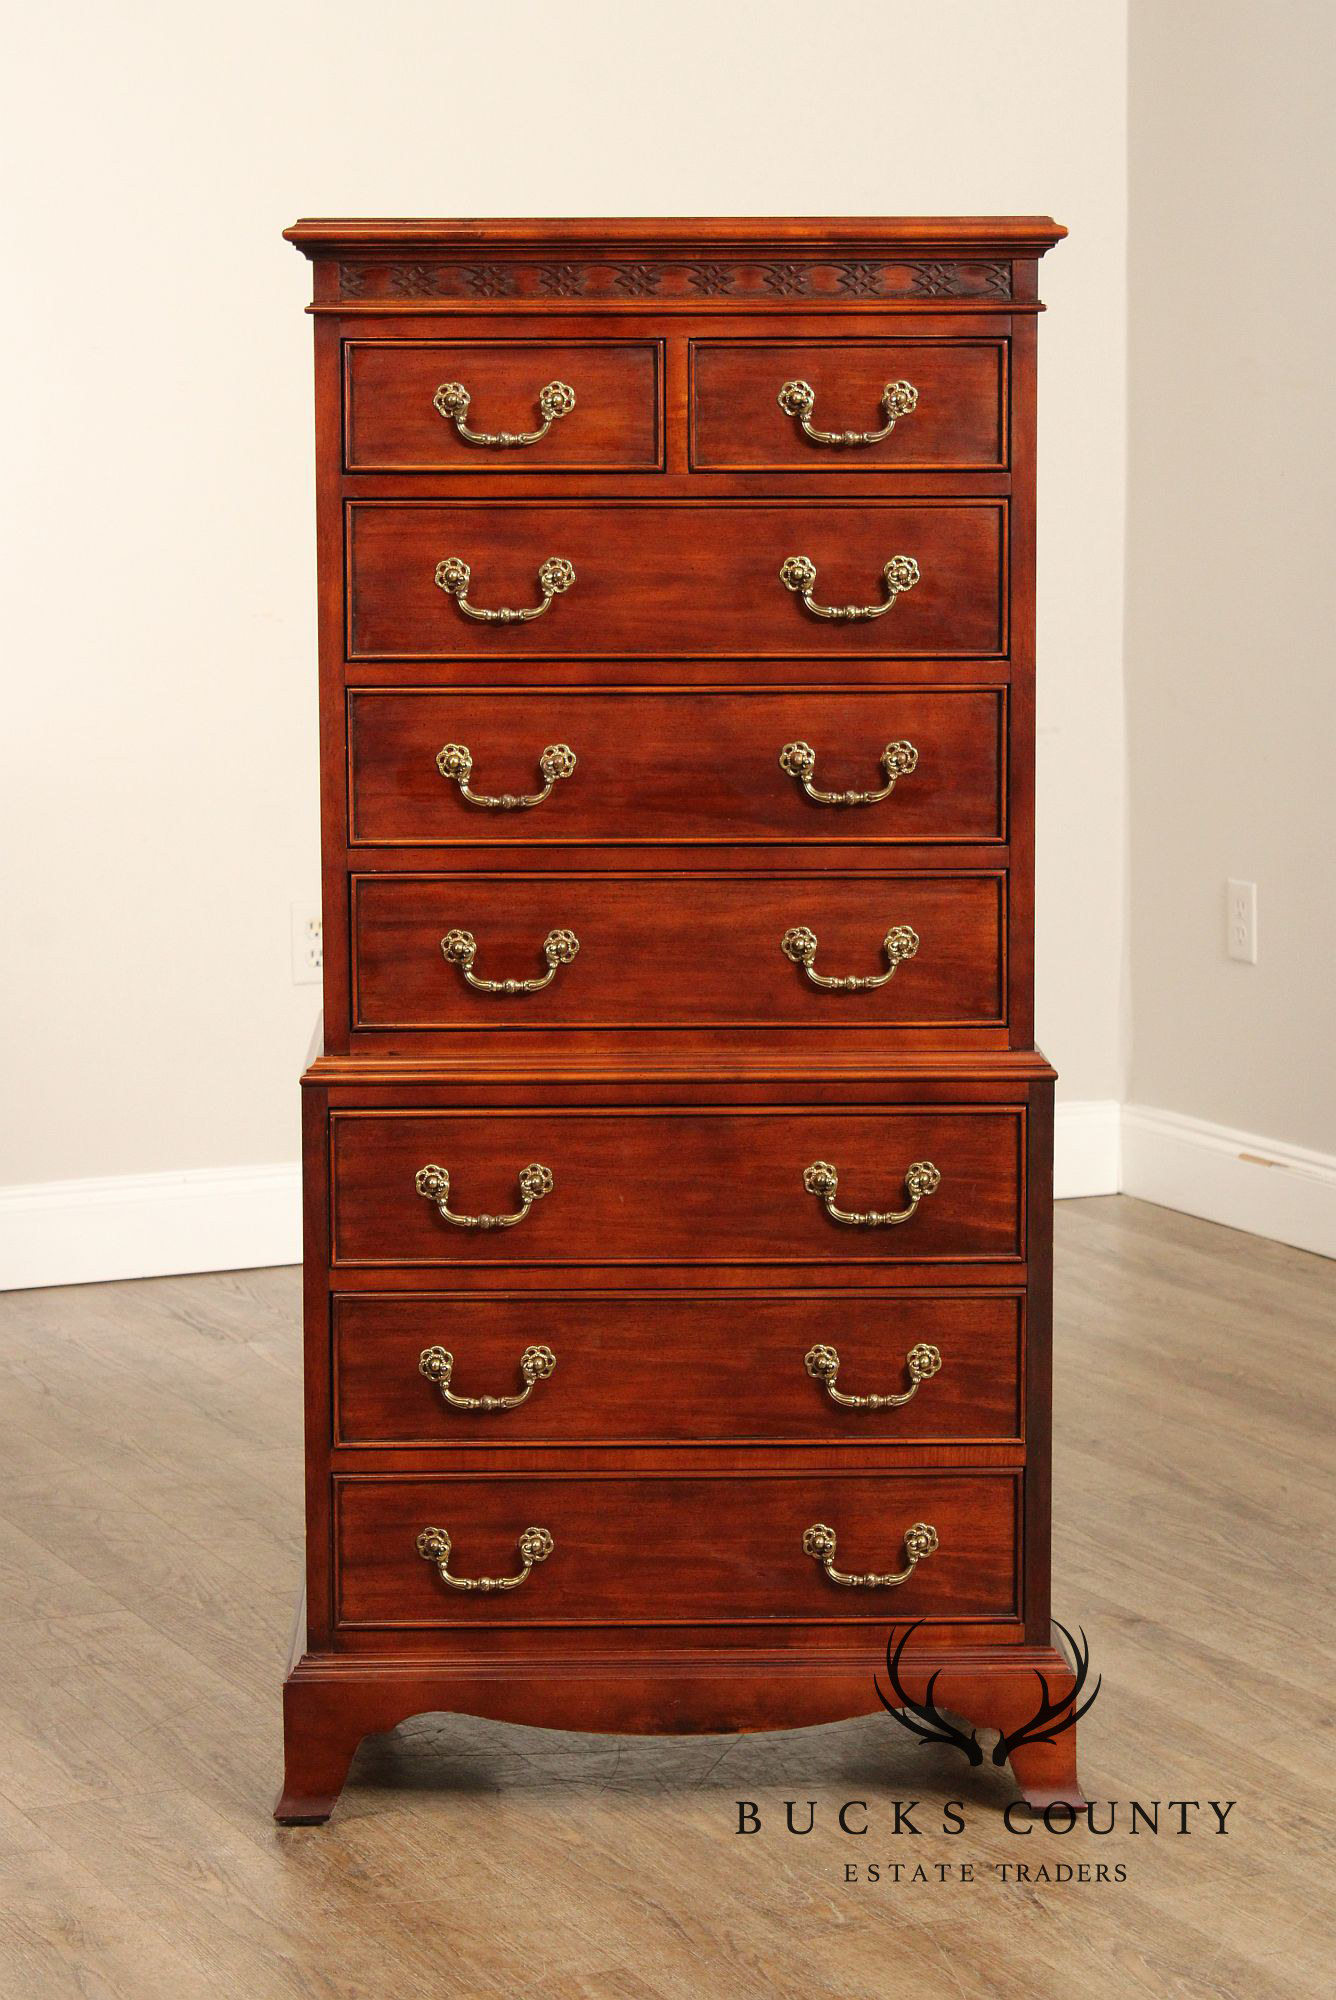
555	401
798	574
433	1184
438	1365
920	1542
798	399
454	761
897	761
822	1363
461	948
921	1180
453	576
434	1546
799	946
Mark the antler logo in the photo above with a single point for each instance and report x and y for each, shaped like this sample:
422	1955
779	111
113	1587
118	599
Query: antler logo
925	1720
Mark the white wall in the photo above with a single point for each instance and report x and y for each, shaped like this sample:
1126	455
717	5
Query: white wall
1232	496
159	794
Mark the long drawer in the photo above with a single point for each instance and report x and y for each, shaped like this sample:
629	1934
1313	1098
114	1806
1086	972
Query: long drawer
671	767
680	1187
704	1369
673	578
684	952
658	1549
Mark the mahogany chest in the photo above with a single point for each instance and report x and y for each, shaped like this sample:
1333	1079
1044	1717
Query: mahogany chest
678	1164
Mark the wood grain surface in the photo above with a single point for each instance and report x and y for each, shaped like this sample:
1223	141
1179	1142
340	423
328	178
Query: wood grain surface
662	951
958	424
677	1188
673	768
392	425
672	579
643	1370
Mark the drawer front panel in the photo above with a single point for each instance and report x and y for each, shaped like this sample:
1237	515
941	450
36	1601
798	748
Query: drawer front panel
699	1370
671	768
959	422
663	951
677	1187
658	1550
674	579
391	423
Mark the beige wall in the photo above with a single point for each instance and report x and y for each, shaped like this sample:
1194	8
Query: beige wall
159	791
1230	681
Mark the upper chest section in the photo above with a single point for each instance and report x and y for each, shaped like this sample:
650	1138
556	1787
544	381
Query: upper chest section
719	355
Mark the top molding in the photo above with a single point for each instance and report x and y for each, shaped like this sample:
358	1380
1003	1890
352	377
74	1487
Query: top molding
978	262
1002	235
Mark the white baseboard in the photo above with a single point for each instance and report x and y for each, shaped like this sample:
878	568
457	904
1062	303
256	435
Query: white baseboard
1087	1148
149	1225
1238	1178
236	1218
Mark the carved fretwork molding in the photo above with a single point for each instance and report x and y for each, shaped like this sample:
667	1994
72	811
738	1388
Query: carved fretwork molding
755	280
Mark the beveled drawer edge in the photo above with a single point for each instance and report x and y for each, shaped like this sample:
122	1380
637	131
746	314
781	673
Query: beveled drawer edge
999	692
487	466
1013	1612
929	468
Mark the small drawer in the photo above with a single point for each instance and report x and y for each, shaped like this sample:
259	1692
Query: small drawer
920	405
929	764
645	952
702	1369
599	580
662	1549
682	1188
573	406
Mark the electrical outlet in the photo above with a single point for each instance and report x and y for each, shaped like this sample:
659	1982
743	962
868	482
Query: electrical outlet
308	945
1241	921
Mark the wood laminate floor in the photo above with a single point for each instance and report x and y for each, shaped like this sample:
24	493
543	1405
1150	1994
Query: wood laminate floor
149	1539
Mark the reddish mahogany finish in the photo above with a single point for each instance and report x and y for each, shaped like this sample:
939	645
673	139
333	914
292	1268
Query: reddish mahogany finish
958	424
636	1370
392	424
682	1188
673	1549
659	769
698	578
660	952
679	1073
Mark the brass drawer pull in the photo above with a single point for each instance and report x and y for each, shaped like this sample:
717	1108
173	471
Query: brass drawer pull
821	1179
455	762
536	1364
461	948
799	760
798	573
798	399
433	1184
555	401
554	576
800	945
819	1542
823	1364
433	1545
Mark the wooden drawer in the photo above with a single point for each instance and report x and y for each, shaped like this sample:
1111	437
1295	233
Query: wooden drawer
703	1369
673	951
677	1187
958	423
663	1549
670	767
675	578
392	424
